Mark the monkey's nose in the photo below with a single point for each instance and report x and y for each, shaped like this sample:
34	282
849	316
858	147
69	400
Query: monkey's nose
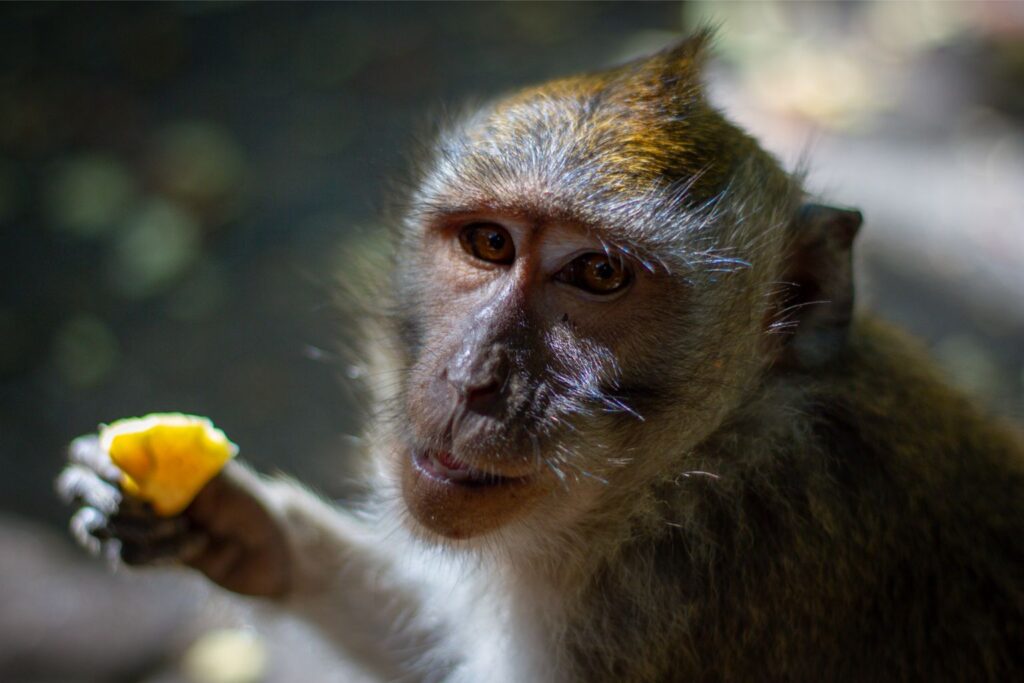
480	383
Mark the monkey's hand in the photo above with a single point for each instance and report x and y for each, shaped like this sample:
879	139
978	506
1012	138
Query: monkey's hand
228	532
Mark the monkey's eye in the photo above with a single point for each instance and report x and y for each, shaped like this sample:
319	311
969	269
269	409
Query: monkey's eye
597	273
488	242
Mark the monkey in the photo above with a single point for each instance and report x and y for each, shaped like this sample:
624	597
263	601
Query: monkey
627	425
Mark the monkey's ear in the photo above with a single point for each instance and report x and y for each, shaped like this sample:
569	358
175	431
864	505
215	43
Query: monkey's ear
818	304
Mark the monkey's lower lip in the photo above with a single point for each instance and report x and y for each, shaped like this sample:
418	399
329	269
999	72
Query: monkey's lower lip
456	500
442	466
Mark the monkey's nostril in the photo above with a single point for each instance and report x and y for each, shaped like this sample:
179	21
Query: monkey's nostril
482	399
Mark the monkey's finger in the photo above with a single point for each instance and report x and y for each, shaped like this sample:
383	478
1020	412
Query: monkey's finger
86	451
133	508
88	528
147	529
80	484
181	548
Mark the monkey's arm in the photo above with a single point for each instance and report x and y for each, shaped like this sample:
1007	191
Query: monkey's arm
263	537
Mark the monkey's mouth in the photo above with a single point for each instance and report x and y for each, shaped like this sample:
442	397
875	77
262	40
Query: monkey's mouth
443	467
459	499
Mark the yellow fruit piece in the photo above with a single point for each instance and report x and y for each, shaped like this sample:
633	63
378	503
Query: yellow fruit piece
166	458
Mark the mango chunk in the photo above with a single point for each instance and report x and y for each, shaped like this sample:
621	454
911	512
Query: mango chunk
166	458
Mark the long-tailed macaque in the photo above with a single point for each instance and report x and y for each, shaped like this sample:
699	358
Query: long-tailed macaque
638	432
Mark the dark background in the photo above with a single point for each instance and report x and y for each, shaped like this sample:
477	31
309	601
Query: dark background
179	183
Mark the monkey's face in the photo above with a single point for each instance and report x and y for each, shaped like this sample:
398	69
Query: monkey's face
585	273
529	341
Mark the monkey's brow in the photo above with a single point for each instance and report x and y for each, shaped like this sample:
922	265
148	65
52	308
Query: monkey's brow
629	234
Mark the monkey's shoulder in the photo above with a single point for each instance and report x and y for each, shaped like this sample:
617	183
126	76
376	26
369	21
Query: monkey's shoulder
915	467
884	395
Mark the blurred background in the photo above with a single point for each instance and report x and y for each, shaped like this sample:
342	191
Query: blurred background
179	184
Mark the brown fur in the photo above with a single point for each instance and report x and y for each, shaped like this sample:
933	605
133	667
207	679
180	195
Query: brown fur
865	525
805	500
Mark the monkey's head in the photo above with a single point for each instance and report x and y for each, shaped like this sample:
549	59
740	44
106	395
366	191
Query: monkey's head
590	279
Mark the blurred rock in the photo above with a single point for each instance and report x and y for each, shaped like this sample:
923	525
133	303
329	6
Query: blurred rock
68	619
